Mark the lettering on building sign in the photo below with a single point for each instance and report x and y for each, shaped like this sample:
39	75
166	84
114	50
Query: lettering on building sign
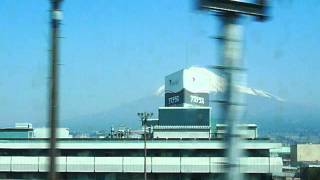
173	99
196	99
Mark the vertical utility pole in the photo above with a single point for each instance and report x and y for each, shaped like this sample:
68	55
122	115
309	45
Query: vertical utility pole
144	117
232	64
55	18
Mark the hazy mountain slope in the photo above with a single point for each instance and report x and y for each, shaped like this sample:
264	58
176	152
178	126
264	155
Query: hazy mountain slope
274	116
124	115
270	115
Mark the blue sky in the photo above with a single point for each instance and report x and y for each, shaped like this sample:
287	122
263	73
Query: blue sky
117	51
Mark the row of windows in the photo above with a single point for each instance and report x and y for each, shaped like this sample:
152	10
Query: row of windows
126	176
132	152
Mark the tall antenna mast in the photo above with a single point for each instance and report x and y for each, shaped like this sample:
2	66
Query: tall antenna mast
55	18
230	12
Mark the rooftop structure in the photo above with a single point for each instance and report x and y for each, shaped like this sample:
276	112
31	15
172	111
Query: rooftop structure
25	130
13	133
44	133
186	113
246	131
187	88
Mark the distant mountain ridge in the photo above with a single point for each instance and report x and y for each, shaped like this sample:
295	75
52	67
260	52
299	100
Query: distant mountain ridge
271	116
124	115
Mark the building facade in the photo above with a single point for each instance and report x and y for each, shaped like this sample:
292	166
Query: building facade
124	159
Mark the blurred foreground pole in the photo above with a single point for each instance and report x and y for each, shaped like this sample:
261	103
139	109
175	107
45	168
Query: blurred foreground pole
230	12
232	64
55	18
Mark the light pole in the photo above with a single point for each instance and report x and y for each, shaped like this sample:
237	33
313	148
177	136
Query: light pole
144	117
55	18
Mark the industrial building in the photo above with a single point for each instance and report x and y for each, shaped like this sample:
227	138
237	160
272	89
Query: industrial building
182	143
123	159
305	153
306	158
